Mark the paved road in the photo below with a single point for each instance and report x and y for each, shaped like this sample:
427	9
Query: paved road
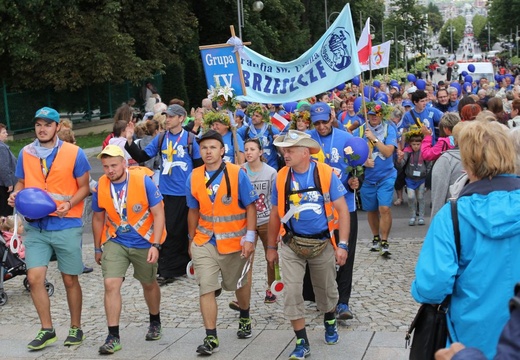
381	303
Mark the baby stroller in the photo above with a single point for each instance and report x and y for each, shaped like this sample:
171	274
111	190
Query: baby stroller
12	265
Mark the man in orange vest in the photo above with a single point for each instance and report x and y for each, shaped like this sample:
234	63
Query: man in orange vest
308	193
222	227
128	221
61	169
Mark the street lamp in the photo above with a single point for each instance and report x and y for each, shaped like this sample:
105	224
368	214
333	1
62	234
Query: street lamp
394	40
257	6
328	19
488	28
451	39
403	42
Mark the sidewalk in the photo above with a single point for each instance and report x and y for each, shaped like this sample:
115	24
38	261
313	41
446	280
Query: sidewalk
381	303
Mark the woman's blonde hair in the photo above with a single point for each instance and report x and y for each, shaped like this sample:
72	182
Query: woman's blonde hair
486	149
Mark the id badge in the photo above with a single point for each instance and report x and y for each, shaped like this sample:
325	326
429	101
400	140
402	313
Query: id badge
124	227
167	165
416	173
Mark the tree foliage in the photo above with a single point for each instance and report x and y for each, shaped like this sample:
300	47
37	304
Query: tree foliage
504	16
459	25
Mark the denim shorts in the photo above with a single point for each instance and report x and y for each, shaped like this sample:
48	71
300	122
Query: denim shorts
66	244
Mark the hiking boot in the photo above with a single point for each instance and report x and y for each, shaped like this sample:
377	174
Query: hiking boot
209	347
233	305
269	297
42	339
331	332
75	337
411	222
343	312
301	351
111	345
154	331
375	244
244	328
421	221
384	248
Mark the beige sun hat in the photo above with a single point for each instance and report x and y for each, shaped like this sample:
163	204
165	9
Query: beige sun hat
297	138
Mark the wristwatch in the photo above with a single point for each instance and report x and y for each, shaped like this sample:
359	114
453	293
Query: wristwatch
157	246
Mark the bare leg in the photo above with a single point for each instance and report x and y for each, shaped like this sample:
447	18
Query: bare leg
385	222
373	221
152	296
209	310
74	298
113	300
39	295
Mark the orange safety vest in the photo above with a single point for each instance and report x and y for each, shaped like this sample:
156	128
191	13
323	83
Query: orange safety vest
60	183
138	212
228	222
325	174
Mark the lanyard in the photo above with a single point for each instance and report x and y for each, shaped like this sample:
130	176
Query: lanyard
295	183
120	201
168	142
328	153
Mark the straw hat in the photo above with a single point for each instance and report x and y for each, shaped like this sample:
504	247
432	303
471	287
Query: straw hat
297	138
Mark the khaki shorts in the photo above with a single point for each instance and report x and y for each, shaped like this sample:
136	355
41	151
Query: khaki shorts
117	258
208	263
323	276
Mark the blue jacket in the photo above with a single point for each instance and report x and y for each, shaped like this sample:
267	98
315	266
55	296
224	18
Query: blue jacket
482	281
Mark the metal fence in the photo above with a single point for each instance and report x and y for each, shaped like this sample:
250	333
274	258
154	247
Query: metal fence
86	104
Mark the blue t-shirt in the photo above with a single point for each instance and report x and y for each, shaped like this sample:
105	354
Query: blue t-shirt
270	152
246	192
81	166
345	120
174	151
430	117
229	154
131	239
312	218
383	166
333	147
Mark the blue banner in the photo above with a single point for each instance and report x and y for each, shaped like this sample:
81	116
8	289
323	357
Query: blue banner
222	68
330	62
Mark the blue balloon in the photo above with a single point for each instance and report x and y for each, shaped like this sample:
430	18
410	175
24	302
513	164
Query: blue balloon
340	86
421	84
411	78
290	106
471	68
394	83
376	83
34	203
464	73
381	96
468	79
356	80
457	86
358	103
497	77
369	92
360	148
511	77
467	87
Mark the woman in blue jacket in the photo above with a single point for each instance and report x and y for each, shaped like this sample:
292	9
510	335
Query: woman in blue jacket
482	279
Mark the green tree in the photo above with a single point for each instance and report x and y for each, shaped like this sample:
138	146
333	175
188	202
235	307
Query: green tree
504	16
435	20
459	25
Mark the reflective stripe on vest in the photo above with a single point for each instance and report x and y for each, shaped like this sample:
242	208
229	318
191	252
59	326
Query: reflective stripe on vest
325	174
60	183
227	222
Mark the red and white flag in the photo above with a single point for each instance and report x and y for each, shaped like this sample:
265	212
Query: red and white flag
279	121
380	57
364	45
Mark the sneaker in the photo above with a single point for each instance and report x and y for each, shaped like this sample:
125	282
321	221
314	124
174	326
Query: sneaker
269	297
343	312
384	248
75	337
44	338
301	351
375	244
331	332
87	269
164	280
111	345
154	331
233	305
411	222
209	347
421	221
244	328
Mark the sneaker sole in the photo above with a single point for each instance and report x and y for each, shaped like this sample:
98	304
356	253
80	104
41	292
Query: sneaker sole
150	338
71	343
345	316
205	352
269	301
233	305
48	342
109	352
246	336
300	358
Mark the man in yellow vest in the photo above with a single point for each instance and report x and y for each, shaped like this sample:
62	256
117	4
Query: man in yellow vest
62	169
222	227
307	202
128	221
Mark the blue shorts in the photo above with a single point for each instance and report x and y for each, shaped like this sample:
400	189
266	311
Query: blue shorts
375	195
66	244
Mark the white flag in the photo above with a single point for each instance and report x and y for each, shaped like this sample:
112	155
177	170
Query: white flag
380	56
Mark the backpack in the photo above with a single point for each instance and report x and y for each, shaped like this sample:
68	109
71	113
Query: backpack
191	136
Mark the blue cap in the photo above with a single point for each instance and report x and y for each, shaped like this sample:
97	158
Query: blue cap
240	113
320	112
371	112
407	103
47	113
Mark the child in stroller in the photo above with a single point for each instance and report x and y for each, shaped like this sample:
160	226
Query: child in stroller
12	255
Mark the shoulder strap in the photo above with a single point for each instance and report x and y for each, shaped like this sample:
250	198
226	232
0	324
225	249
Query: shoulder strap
161	140
455	220
317	181
246	136
191	136
270	131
